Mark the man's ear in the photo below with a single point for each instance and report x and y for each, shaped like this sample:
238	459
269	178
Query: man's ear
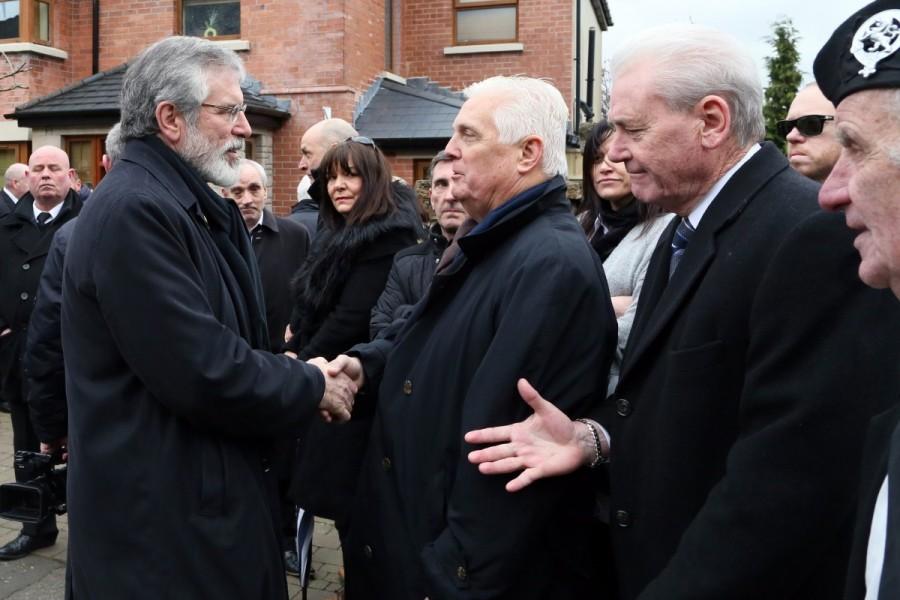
170	122
531	154
715	116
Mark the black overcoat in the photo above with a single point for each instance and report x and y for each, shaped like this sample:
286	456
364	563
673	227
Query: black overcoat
527	298
337	289
747	384
280	245
169	408
23	251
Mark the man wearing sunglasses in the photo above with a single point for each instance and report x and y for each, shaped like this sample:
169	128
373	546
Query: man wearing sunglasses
809	130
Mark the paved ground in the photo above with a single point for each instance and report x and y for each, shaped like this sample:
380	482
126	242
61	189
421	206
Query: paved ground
41	576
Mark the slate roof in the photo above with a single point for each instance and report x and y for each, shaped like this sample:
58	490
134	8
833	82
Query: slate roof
414	113
97	98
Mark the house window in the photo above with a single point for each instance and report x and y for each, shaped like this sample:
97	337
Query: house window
25	20
485	21
217	19
85	156
13	152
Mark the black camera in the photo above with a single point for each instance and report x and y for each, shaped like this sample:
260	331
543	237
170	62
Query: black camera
42	493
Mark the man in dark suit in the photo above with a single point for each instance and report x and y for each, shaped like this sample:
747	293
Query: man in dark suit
861	76
280	246
15	184
518	275
25	237
173	399
731	443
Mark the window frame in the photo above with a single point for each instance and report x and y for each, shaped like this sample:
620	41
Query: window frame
98	148
27	22
179	23
461	6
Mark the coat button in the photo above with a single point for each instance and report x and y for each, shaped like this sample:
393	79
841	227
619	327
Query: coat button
367	551
623	518
461	573
26	266
407	387
23	296
623	407
386	463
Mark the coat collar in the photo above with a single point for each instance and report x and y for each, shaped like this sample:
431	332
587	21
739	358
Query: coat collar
511	217
24	232
661	298
142	155
269	221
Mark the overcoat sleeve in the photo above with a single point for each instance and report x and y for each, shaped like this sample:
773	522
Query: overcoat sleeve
389	302
489	531
810	389
348	321
148	283
43	361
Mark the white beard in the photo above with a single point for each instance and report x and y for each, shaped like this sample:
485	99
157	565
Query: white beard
211	161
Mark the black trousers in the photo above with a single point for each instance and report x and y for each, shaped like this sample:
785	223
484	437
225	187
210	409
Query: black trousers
24	438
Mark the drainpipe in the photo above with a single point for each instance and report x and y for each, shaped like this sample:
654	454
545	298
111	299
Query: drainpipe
95	37
592	34
577	115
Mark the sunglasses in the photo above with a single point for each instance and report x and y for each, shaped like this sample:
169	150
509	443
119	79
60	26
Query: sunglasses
808	125
360	139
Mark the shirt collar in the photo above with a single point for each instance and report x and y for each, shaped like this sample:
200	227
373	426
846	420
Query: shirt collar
699	210
53	211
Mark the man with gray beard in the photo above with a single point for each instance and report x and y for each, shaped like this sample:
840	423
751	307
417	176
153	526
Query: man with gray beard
173	400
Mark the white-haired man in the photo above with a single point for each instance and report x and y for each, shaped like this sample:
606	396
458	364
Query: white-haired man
15	185
172	403
519	277
862	78
724	474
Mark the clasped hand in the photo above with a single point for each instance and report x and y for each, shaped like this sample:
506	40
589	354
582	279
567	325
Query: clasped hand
343	379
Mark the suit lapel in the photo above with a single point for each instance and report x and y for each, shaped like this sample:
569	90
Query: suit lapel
665	297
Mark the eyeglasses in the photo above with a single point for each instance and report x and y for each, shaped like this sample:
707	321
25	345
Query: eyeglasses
808	125
231	111
360	139
253	188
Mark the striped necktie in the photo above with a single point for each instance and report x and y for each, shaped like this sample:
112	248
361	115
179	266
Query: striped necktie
683	234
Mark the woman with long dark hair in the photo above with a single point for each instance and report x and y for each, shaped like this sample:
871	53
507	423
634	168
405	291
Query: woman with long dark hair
622	230
368	219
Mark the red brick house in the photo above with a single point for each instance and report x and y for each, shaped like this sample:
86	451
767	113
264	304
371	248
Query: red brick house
362	60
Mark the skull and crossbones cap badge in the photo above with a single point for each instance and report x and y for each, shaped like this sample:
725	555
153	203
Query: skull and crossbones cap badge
863	52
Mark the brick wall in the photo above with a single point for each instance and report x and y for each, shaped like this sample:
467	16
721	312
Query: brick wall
545	29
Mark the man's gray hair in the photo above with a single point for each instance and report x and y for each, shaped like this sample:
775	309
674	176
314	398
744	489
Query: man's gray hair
175	70
442	156
13	172
114	145
530	107
690	62
259	169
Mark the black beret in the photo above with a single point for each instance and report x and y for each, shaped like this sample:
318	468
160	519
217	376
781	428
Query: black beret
863	53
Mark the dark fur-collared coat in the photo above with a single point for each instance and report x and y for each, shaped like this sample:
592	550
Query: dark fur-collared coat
335	291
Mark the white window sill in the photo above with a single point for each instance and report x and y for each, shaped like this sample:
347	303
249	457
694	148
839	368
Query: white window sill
478	48
236	45
13	47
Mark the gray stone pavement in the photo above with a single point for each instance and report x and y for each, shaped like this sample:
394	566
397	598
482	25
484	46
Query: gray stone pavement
41	576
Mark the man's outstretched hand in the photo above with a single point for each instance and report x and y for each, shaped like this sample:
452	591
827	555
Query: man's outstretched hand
546	444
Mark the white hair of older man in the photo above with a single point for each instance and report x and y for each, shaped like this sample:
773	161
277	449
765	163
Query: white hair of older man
259	169
532	107
690	62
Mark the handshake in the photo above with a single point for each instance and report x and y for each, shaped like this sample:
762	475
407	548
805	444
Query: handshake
343	378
